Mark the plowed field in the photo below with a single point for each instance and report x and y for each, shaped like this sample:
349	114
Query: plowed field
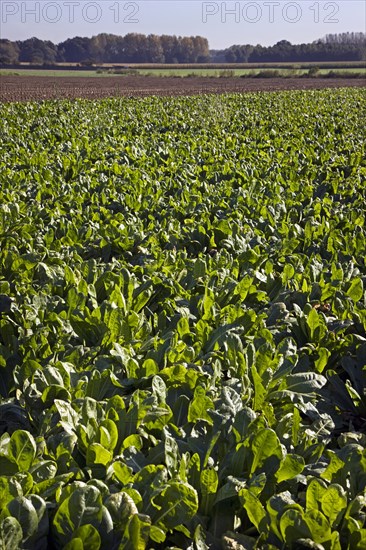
27	88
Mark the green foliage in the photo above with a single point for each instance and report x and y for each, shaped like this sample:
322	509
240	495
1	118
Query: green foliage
182	323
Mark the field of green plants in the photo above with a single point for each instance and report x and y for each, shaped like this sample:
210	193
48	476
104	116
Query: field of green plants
183	323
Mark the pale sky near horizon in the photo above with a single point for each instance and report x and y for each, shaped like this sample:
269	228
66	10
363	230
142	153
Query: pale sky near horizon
223	23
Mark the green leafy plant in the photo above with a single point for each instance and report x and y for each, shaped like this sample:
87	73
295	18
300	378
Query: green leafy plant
182	322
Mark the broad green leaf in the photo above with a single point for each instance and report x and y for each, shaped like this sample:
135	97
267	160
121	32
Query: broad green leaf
177	504
150	367
334	504
9	489
314	494
267	452
114	323
11	533
276	506
23	510
53	392
355	291
208	485
291	466
254	509
288	273
22	448
319	526
335	466
313	322
199	406
171	454
335	541
207	304
108	434
137	533
25	480
82	507
141	300
322	360
89	536
97	454
293	526
305	382
121	507
122	472
43	471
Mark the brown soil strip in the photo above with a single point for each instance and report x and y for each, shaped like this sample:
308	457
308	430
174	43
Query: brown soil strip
39	88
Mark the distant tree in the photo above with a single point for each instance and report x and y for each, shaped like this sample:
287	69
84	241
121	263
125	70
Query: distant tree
345	38
258	54
75	50
114	51
37	51
217	56
185	49
233	54
135	48
246	52
155	51
9	52
201	49
170	48
99	47
239	54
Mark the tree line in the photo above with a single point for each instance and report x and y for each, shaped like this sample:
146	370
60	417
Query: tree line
334	47
108	48
140	48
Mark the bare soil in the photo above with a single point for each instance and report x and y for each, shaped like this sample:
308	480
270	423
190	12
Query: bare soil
39	88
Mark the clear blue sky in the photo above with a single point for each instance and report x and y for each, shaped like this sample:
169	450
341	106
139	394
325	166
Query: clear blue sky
222	23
